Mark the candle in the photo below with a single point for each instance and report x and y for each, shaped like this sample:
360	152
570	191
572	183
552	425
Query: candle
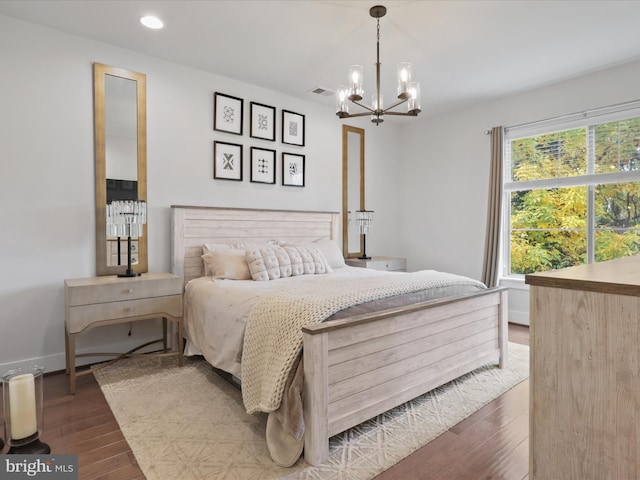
22	404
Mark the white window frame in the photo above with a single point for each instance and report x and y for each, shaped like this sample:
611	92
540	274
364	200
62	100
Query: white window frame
587	119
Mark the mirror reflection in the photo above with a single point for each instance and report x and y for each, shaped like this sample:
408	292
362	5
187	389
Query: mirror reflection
120	136
121	156
352	188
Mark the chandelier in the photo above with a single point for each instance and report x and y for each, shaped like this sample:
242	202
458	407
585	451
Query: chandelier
408	91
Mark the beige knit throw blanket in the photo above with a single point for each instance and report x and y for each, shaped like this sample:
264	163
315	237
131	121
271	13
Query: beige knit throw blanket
273	336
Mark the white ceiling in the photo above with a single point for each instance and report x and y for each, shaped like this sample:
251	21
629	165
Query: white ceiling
462	51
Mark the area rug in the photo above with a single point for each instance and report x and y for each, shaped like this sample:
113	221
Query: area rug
189	423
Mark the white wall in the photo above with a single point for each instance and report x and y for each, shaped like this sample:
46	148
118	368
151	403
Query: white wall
447	170
47	175
425	179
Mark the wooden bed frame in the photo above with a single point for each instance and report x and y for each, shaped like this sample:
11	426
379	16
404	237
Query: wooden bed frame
356	368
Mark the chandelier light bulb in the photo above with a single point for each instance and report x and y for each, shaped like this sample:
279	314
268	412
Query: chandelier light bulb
342	100
404	78
355	78
413	104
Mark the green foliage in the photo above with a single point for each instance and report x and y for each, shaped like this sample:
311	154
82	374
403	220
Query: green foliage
549	226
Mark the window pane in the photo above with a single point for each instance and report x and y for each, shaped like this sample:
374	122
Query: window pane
552	155
617	222
548	229
617	146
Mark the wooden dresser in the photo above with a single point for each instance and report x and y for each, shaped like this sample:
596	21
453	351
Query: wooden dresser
585	372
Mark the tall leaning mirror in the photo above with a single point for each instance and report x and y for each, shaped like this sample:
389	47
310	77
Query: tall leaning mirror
120	123
352	189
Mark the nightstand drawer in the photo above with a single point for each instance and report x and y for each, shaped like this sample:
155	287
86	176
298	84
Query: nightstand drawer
84	315
116	289
390	264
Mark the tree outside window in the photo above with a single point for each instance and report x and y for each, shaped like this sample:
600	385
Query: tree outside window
573	196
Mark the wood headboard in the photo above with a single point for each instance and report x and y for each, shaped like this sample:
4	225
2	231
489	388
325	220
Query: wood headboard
193	226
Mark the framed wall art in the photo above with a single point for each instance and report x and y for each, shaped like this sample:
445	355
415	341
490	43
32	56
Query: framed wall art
263	165
227	113
292	128
263	121
227	161
292	169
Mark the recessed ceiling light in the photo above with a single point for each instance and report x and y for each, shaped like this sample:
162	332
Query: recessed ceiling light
151	22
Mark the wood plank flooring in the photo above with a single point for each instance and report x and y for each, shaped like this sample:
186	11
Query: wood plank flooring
490	444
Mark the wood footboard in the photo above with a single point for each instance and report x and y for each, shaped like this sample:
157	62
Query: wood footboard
357	368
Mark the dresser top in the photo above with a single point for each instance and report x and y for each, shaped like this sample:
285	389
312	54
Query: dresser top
620	276
114	279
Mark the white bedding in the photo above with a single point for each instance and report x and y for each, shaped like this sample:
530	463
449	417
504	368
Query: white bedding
216	310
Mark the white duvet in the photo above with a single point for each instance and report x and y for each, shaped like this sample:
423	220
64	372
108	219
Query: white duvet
216	310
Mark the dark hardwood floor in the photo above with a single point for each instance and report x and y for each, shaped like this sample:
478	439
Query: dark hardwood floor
490	444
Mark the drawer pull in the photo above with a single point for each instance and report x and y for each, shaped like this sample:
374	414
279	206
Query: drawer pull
130	290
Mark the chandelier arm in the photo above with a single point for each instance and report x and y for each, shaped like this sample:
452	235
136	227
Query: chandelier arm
412	113
370	109
399	102
351	115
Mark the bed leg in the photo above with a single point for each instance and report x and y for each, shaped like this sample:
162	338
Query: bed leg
316	433
503	327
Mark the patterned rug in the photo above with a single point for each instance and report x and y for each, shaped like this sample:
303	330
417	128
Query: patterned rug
189	423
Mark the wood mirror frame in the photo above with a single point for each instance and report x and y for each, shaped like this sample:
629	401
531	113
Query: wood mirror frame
100	73
352	187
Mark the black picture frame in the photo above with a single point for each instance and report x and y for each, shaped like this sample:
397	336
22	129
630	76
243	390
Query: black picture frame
293	128
263	165
228	113
227	161
262	121
293	169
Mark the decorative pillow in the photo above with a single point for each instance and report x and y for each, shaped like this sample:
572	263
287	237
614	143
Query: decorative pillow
229	244
295	259
329	249
284	261
230	263
211	247
279	262
263	264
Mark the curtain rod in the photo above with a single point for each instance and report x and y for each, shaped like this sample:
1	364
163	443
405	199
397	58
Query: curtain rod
585	113
619	107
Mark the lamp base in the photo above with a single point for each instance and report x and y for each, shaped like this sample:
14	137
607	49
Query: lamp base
129	274
34	448
364	257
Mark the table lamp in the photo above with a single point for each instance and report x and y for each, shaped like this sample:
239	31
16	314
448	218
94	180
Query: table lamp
125	218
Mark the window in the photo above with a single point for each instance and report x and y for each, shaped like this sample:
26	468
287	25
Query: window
572	190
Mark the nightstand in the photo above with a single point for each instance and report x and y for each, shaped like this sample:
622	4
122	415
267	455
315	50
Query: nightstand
109	300
390	264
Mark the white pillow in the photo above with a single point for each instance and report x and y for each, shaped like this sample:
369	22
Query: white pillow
229	244
263	264
331	252
279	262
329	249
211	247
229	263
